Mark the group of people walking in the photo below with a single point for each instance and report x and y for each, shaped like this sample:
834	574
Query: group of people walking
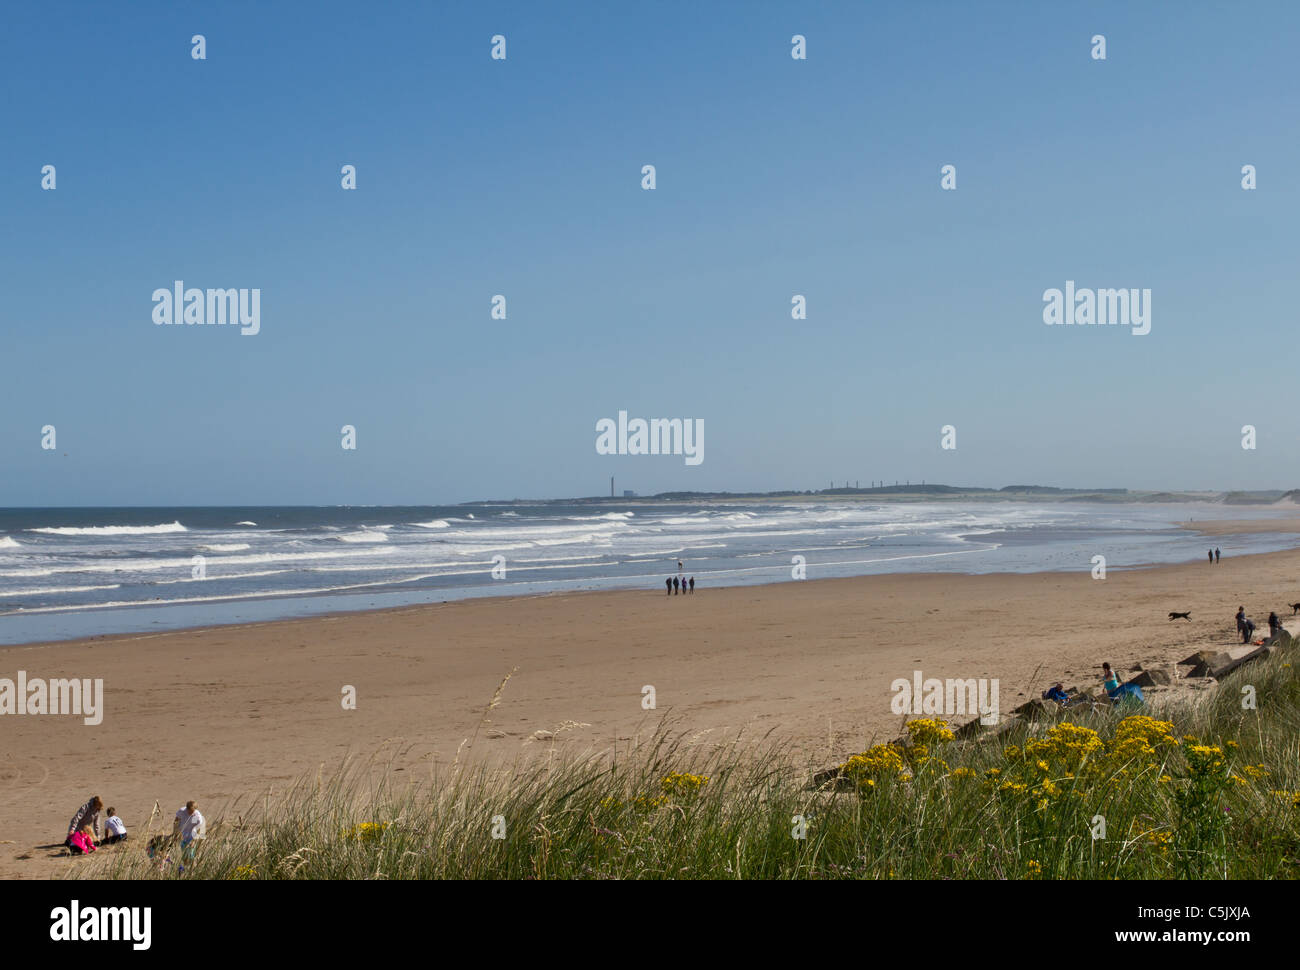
84	835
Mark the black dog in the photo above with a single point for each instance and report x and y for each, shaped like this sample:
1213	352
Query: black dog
1295	608
1181	616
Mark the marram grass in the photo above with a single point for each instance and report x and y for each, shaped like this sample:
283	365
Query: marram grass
1206	790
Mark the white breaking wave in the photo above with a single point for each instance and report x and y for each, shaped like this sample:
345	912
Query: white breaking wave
362	537
245	523
9	542
154	565
58	589
226	547
114	530
435	524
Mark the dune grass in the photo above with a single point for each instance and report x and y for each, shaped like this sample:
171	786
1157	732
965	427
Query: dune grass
1206	790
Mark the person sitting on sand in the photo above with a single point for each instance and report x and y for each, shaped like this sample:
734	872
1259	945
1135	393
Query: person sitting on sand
1056	693
87	815
82	841
189	825
114	828
1274	624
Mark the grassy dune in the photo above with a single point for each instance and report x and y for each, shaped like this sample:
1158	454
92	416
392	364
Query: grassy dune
1209	791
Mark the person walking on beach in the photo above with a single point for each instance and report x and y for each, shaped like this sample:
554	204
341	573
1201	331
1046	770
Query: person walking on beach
675	589
87	815
669	583
692	584
1216	553
1211	555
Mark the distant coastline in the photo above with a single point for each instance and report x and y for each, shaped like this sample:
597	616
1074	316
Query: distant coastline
908	492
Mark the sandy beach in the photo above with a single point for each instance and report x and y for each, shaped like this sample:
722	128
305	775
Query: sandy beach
224	714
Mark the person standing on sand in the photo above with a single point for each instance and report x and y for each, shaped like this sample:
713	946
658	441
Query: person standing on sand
87	814
190	826
1241	622
674	585
669	583
692	584
1211	555
1216	553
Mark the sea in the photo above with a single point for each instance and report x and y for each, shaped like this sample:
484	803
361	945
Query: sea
79	572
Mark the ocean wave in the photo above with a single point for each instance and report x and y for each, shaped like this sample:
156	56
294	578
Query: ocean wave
585	539
155	565
226	547
52	590
245	523
435	524
362	537
9	542
113	530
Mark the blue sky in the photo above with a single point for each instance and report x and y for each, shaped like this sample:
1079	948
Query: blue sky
523	177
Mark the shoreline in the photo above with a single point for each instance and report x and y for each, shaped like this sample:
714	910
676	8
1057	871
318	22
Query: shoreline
1209	528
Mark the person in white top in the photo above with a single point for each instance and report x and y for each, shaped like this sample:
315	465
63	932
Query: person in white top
114	828
189	825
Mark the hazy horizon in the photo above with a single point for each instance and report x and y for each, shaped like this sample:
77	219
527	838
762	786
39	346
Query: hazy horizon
755	495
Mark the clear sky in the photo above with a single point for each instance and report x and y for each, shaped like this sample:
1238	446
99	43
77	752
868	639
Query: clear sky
522	177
